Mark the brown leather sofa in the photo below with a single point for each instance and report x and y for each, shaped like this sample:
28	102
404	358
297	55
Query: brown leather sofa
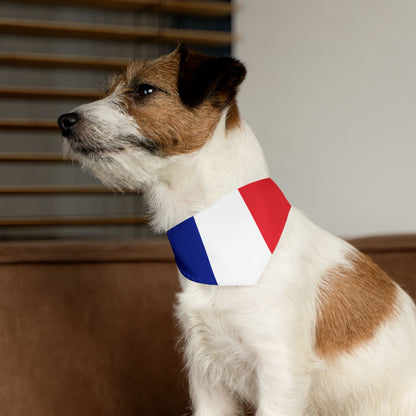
86	328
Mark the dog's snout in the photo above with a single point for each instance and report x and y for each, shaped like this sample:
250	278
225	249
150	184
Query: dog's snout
66	122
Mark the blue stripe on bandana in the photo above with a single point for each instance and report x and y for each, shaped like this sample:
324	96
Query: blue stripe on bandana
190	254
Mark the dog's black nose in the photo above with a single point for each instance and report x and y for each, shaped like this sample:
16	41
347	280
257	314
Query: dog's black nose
66	122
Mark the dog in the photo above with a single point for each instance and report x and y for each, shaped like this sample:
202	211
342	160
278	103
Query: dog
323	331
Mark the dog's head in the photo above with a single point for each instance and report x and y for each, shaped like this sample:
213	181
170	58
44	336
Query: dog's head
153	111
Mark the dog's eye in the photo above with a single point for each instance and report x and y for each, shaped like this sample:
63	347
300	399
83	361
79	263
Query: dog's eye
144	90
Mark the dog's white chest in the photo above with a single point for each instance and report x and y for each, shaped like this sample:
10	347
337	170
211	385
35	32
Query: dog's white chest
215	345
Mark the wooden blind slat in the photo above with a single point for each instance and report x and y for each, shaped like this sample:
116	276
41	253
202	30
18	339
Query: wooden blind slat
61	61
65	221
32	157
76	30
193	7
29	125
203	8
49	93
60	190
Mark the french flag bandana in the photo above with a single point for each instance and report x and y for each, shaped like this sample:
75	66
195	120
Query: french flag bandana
231	242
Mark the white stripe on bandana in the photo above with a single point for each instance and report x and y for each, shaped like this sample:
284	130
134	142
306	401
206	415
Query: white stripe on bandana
231	242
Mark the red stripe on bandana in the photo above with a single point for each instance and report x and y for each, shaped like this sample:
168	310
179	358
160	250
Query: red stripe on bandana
271	217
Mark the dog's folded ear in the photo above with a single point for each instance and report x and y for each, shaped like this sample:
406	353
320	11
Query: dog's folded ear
203	77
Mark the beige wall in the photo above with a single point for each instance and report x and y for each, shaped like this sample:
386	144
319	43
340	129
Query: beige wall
331	95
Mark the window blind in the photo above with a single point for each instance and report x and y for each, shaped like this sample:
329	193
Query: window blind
55	55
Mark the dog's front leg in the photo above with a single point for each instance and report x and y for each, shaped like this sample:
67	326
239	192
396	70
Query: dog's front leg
210	400
283	386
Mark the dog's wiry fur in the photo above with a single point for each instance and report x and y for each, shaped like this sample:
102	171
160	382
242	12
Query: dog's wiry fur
324	332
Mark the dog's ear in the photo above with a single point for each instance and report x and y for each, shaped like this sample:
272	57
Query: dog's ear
202	77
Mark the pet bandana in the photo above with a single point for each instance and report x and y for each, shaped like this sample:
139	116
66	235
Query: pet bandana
231	242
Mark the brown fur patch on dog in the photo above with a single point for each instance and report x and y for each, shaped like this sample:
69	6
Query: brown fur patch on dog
172	127
353	302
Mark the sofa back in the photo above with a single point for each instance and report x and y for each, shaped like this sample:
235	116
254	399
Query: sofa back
86	328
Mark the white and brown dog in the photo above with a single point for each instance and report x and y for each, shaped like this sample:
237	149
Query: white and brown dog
324	331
